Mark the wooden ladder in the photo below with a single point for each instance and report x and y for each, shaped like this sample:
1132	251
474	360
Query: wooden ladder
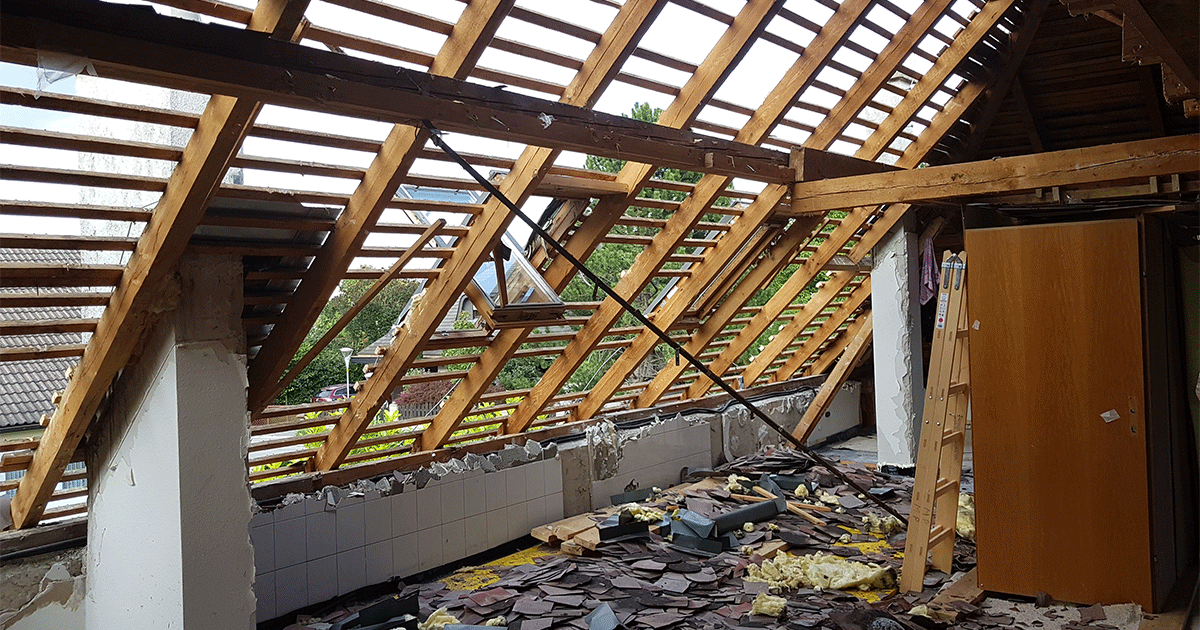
934	513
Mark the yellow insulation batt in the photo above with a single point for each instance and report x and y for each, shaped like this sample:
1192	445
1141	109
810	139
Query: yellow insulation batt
768	605
820	570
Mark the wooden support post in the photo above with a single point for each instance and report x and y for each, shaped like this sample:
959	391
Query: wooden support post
147	278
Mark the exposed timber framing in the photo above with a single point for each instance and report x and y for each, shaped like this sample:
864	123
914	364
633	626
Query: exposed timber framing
706	191
399	150
860	335
682	111
596	74
146	280
1126	160
137	44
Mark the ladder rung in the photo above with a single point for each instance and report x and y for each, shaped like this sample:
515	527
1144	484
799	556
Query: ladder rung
963	332
958	388
937	534
944	485
952	435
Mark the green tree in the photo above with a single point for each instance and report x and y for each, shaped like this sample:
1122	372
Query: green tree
372	323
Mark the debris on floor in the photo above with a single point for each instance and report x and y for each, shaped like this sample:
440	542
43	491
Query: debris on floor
737	547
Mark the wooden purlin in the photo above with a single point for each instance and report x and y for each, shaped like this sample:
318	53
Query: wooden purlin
1125	160
706	191
596	226
130	311
859	335
136	45
604	62
383	178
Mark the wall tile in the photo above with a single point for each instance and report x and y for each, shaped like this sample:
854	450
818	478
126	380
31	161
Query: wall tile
429	507
475	534
497	489
404	513
453	544
291	589
535	479
294	510
514	479
291	542
429	548
475	495
322	579
452	501
263	518
378	516
263	540
405	561
351	570
497	527
264	594
554	507
322	534
379	562
554	475
351	525
516	516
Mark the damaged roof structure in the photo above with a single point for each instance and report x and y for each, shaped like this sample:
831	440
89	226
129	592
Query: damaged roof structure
236	161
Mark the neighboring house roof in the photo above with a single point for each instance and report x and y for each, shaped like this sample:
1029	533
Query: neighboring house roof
27	387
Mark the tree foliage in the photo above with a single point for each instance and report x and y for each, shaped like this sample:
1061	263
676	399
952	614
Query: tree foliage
373	322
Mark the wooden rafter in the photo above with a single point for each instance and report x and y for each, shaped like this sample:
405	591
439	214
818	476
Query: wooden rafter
145	281
604	62
457	57
859	335
137	45
706	191
815	307
595	228
826	331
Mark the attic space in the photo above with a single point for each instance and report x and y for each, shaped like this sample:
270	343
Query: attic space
593	314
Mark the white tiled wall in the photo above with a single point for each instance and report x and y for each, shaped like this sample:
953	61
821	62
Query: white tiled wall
656	459
306	554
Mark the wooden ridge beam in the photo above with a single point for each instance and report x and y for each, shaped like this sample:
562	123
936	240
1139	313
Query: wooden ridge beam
859	335
602	65
135	44
706	191
595	228
387	171
1126	160
217	138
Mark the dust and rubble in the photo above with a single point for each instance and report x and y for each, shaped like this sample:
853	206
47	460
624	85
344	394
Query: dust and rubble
735	547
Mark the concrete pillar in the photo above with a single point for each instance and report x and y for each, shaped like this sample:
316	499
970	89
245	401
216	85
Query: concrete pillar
899	378
168	532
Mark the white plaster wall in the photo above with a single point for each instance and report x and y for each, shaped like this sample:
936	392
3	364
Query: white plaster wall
309	551
43	592
899	388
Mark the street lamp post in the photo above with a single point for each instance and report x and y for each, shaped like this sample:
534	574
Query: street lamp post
346	352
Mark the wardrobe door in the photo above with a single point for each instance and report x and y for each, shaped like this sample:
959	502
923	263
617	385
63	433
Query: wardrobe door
1057	411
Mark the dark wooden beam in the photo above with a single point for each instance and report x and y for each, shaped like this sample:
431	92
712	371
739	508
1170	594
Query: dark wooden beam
136	44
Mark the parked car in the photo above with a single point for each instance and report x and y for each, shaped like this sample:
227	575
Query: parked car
332	392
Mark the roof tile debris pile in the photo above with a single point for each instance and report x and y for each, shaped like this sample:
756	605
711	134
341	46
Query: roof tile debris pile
716	553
